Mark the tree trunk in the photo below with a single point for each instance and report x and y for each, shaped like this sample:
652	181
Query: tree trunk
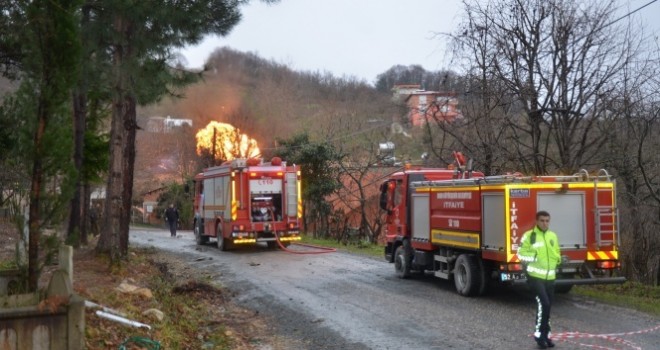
35	199
119	192
84	212
116	218
76	221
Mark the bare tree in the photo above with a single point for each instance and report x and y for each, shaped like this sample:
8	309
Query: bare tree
357	200
631	152
558	58
357	129
567	85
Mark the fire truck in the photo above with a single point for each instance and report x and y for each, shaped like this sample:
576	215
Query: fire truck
462	225
247	201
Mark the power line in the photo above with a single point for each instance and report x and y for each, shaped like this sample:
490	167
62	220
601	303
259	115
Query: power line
630	13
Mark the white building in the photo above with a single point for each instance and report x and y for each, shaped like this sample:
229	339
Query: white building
167	124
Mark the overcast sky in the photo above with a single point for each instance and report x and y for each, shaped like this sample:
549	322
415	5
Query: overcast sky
358	38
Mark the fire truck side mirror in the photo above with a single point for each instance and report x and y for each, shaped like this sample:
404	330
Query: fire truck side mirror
186	188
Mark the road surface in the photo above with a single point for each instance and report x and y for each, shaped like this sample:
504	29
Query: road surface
345	301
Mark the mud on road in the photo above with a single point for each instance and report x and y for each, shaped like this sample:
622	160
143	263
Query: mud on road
345	301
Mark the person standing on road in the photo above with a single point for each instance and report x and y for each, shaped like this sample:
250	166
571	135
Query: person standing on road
539	251
94	214
172	217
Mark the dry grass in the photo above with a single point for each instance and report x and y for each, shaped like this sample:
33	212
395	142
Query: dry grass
198	313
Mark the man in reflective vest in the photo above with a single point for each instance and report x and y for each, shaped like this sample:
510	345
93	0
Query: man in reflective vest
539	251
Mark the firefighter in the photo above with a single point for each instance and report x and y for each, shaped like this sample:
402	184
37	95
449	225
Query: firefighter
539	251
172	217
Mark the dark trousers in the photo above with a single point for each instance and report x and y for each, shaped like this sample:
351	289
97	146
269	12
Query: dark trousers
545	295
172	227
94	227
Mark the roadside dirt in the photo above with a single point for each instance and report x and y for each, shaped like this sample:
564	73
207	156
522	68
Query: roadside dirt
207	320
274	300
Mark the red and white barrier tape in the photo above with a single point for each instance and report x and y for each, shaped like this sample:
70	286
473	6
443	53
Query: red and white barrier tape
611	337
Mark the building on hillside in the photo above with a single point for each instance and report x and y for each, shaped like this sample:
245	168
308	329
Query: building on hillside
165	125
402	91
97	195
427	106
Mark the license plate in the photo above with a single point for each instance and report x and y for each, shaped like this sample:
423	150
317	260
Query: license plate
510	276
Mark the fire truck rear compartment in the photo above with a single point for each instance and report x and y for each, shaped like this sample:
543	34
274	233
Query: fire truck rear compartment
266	207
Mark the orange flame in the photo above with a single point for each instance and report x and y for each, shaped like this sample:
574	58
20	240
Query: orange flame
228	143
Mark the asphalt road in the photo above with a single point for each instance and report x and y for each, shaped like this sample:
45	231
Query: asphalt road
344	301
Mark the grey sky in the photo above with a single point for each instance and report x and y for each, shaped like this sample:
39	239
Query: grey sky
359	38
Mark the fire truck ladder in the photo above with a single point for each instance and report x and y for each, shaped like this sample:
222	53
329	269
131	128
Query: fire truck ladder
606	218
486	180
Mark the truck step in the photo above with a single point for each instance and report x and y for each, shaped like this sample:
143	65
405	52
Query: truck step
443	275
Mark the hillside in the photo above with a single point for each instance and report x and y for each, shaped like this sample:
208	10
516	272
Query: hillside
264	100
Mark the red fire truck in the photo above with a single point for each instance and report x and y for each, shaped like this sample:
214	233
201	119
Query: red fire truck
465	226
246	201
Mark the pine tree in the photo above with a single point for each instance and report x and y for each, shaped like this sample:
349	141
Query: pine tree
44	54
141	37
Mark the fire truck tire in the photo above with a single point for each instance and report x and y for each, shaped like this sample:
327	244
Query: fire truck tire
401	263
466	275
199	238
223	243
483	278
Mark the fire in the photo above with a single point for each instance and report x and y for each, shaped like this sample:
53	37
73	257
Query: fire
227	144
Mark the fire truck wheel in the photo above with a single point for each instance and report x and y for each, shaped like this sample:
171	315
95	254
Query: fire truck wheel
401	263
199	238
223	243
483	278
466	275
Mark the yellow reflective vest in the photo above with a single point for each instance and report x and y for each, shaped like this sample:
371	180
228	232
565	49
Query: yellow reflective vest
542	256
